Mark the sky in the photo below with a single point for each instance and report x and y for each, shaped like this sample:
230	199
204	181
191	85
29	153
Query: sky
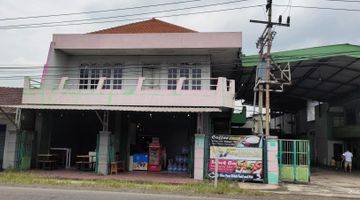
309	27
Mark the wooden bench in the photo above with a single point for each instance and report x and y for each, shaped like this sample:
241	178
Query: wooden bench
47	161
47	164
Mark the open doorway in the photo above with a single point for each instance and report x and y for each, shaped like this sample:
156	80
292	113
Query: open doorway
162	141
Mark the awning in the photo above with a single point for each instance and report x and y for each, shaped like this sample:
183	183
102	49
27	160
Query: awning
117	108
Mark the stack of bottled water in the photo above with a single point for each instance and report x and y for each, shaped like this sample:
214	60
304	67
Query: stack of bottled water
180	164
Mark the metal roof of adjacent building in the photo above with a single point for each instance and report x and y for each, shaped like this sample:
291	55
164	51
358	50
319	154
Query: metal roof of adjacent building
307	54
148	26
327	74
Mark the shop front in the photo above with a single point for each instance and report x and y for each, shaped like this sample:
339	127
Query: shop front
110	142
160	142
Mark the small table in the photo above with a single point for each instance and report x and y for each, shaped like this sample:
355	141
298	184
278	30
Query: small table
46	161
85	162
67	153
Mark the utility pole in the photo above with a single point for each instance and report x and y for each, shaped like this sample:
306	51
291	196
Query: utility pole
264	75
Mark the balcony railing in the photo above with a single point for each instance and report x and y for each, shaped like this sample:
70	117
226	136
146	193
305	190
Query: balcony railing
141	91
141	83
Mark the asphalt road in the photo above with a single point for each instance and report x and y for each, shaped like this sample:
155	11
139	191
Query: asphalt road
38	193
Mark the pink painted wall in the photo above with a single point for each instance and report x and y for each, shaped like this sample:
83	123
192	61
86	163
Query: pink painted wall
148	41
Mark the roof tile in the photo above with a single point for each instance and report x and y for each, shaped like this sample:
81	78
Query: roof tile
10	96
148	26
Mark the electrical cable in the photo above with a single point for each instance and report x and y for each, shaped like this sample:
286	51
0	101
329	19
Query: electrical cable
121	16
320	8
345	1
137	19
95	11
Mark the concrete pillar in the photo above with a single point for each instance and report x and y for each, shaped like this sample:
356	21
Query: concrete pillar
199	156
272	163
103	152
9	159
201	146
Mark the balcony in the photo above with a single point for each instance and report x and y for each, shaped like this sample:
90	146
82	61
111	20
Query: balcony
141	91
347	131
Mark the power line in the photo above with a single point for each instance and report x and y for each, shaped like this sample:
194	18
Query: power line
136	19
121	9
120	16
95	11
67	72
174	15
320	8
345	1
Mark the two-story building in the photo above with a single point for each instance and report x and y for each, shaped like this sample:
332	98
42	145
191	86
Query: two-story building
112	91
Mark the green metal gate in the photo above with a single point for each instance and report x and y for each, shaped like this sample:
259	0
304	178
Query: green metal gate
24	149
294	160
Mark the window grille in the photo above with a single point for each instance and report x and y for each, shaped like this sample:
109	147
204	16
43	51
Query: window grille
196	76
172	78
185	72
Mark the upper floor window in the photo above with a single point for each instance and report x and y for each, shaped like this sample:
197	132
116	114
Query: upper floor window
192	74
94	78
117	81
106	73
84	78
196	76
89	77
172	78
185	73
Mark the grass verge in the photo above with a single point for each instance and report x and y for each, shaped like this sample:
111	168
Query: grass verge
224	188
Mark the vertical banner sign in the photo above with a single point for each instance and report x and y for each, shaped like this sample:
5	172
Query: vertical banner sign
240	157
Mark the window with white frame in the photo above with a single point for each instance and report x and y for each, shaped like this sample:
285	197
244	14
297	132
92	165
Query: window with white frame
84	79
106	73
185	73
192	75
94	78
117	81
196	78
89	77
172	78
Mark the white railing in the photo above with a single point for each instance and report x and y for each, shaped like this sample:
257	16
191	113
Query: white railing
139	84
34	84
202	92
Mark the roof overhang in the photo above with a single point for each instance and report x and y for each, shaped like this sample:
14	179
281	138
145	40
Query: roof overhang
148	41
119	108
